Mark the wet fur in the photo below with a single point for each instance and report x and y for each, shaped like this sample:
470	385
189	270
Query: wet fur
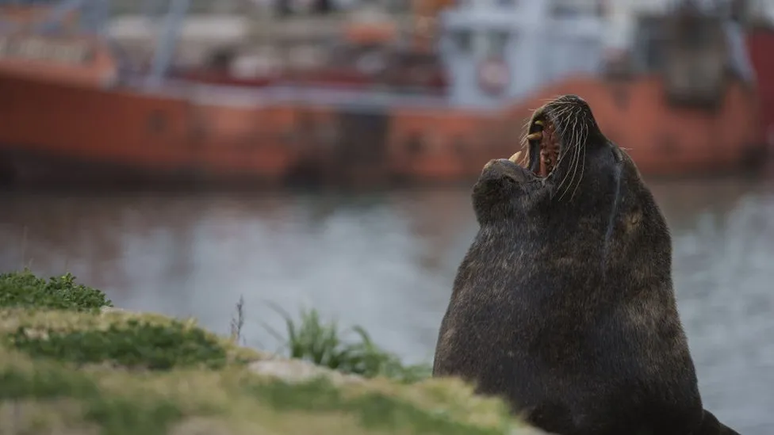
564	305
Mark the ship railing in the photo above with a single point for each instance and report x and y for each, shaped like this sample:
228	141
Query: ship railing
48	21
291	94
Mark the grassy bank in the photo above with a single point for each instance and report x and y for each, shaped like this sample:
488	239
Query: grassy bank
71	364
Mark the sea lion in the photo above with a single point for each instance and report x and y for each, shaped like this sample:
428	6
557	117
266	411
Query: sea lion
563	304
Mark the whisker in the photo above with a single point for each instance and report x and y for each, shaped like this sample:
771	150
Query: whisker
575	150
574	147
583	168
568	151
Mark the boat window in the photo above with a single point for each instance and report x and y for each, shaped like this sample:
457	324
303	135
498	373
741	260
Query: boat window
371	62
462	39
650	43
496	41
696	35
574	8
653	53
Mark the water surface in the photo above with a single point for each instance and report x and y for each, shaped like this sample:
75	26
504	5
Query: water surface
386	261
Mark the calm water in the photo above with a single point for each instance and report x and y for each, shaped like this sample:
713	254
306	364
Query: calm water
387	261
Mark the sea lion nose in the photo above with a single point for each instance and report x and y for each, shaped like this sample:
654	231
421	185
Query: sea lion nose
497	168
504	162
574	97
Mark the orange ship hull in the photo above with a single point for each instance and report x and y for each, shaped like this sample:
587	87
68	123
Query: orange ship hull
760	45
151	135
668	140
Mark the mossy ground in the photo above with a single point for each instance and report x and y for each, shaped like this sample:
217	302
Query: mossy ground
69	366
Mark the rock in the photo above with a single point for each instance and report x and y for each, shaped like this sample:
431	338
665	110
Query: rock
293	370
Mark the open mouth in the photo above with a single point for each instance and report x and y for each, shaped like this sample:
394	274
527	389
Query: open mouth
544	142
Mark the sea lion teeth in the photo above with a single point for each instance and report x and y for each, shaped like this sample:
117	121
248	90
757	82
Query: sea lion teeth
538	135
516	157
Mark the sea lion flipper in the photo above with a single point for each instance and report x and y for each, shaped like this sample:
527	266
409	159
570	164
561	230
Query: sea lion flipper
551	417
710	425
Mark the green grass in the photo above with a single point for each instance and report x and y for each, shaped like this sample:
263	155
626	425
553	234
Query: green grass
67	366
324	343
374	410
141	345
135	344
155	347
122	405
25	290
114	415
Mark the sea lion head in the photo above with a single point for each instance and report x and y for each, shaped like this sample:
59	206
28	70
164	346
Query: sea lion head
573	185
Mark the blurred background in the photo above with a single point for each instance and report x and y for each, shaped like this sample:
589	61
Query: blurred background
182	154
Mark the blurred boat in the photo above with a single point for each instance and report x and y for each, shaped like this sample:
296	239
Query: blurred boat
68	110
761	46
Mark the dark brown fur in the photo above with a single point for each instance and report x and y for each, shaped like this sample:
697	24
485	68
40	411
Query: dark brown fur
564	304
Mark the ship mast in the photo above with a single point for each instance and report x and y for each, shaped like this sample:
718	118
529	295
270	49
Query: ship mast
167	40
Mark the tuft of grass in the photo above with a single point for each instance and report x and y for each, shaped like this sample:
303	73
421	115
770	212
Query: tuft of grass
25	290
136	345
238	321
323	344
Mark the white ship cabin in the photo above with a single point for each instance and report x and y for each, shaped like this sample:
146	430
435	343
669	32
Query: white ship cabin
498	51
